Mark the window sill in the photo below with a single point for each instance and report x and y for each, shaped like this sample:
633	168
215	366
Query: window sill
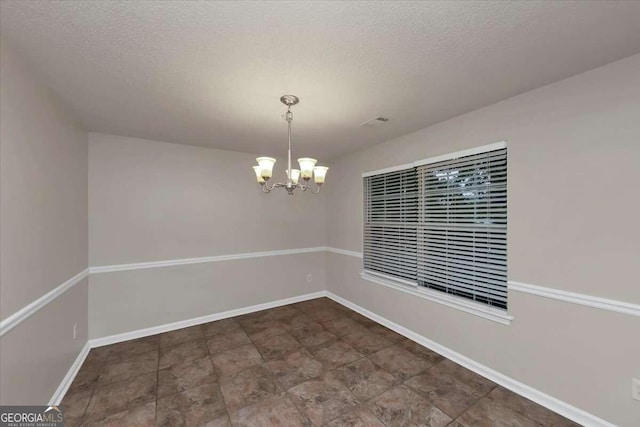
493	314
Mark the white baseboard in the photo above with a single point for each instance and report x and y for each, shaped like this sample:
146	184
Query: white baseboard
126	336
549	402
69	377
566	410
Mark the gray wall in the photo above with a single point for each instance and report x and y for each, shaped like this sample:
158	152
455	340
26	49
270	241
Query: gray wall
43	223
155	201
574	156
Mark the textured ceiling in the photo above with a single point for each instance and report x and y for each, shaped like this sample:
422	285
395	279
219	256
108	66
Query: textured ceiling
211	73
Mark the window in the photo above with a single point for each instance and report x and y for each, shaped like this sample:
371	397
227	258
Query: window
441	225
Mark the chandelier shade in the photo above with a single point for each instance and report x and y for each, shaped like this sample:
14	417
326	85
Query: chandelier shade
295	175
258	174
308	168
319	172
266	166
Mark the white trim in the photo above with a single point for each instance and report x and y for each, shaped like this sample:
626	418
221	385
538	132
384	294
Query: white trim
555	294
471	307
556	405
24	313
549	402
576	298
126	336
112	339
344	252
469	152
185	261
387	170
449	156
57	397
21	315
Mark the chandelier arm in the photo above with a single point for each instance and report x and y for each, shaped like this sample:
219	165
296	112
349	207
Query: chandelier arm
318	186
266	188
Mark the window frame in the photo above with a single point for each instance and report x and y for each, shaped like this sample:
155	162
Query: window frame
457	302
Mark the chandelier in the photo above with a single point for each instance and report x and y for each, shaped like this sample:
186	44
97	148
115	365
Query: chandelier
307	169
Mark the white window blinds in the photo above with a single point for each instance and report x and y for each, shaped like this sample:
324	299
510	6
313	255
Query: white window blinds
390	225
442	226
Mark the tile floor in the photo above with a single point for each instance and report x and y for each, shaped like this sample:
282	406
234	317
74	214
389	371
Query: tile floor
313	363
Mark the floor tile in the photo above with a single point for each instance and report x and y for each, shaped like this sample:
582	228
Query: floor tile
127	348
502	407
194	407
312	335
191	350
464	375
222	421
323	314
335	354
227	341
255	322
236	360
367	342
319	303
322	399
446	392
265	331
365	379
127	367
342	326
278	313
183	376
248	387
220	327
430	356
363	320
487	413
296	368
74	405
277	346
360	417
120	396
329	303
142	416
399	362
86	379
387	333
300	320
180	336
338	368
277	410
401	407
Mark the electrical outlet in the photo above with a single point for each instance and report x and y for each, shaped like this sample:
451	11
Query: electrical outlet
309	278
75	327
635	389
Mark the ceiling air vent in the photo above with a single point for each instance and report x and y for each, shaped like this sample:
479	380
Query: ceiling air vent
375	122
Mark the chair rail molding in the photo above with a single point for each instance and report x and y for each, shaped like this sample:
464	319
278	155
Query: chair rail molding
25	312
551	293
569	297
200	260
576	298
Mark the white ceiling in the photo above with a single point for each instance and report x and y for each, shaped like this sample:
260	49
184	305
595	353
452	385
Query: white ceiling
211	74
